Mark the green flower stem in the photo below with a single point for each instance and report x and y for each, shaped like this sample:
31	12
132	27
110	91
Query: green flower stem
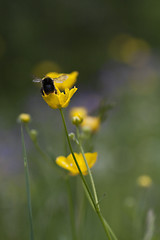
69	143
107	230
70	200
72	217
27	185
88	169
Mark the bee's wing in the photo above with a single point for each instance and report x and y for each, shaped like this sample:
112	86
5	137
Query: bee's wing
37	80
61	78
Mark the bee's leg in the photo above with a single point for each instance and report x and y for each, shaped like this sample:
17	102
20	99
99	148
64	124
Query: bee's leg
42	91
55	91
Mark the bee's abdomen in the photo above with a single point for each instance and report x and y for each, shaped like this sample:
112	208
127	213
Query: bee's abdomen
48	88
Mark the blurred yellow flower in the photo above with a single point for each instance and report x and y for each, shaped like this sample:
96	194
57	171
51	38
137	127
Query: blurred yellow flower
68	83
59	99
91	123
144	181
43	67
69	164
127	49
24	117
78	112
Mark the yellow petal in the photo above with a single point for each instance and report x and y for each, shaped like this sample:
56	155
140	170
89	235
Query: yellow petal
92	123
69	82
53	74
63	97
78	112
91	158
52	100
59	99
71	92
62	162
69	164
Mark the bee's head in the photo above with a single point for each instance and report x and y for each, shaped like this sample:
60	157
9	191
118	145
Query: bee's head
47	80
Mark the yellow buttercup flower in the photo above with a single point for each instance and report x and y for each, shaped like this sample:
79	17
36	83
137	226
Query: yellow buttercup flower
144	181
59	99
68	83
78	112
24	117
91	123
77	115
87	122
69	164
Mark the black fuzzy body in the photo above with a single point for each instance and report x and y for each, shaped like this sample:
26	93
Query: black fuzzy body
47	86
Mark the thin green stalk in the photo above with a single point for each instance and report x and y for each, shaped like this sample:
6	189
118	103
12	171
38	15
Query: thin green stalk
70	146
72	217
89	170
107	231
27	186
109	228
70	200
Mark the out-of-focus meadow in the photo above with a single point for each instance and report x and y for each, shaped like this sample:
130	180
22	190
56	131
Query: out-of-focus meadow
115	47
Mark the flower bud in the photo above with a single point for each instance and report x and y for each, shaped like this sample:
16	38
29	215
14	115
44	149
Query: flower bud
72	136
24	117
78	111
33	134
77	120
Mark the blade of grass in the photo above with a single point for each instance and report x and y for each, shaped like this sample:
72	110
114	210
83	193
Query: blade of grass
27	186
88	169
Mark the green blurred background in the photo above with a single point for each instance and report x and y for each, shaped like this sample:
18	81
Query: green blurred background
115	47
72	35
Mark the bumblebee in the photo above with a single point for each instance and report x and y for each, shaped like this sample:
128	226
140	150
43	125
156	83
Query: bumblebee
47	83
